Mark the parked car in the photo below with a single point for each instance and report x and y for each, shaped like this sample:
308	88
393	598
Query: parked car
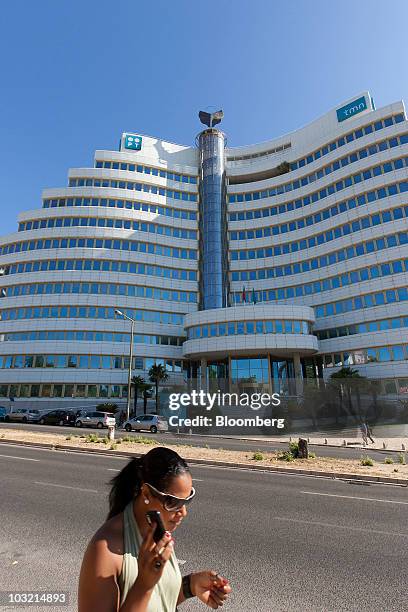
57	417
148	422
3	412
93	419
23	415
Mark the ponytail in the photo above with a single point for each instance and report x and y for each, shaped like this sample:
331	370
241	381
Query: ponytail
125	486
157	467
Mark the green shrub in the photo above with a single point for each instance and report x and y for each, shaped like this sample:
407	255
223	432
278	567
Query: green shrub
114	446
389	460
312	455
142	440
401	458
286	456
68	437
294	449
94	438
258	456
108	407
367	461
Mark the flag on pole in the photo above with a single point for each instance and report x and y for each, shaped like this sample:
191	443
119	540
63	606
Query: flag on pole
243	294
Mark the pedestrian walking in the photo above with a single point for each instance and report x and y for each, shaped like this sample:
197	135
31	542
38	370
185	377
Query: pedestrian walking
363	429
370	433
124	569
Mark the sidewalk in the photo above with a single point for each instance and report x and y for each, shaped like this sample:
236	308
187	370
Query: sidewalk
389	444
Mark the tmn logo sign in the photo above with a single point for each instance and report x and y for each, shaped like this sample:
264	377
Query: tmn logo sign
351	109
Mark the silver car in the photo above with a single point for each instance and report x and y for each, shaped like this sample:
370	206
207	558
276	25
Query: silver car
23	415
147	422
93	419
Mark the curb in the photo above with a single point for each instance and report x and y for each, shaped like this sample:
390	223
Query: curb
262	468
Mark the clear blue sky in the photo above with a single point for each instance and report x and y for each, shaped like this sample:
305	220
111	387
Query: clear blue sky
76	74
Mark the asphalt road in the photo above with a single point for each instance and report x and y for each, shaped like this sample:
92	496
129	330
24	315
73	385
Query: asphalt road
212	442
285	542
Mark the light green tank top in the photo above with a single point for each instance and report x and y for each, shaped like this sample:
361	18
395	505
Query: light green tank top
165	593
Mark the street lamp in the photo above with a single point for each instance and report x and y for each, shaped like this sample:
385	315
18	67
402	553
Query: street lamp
122	314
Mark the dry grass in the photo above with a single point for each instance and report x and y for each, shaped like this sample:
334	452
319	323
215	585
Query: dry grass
270	459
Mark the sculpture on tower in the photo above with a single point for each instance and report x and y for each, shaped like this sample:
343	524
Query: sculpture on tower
211	119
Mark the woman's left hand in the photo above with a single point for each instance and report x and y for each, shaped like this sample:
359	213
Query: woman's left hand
211	588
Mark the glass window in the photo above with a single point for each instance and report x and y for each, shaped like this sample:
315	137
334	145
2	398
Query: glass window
250	328
269	327
398	353
39	361
92	391
72	361
49	361
384	354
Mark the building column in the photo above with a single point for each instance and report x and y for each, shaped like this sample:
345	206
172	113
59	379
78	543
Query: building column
298	374
203	375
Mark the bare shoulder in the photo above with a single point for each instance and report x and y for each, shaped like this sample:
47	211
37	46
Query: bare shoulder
108	540
101	567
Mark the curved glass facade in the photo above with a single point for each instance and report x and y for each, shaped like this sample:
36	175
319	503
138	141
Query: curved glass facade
213	221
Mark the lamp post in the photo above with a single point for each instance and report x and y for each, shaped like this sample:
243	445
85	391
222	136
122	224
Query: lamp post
122	314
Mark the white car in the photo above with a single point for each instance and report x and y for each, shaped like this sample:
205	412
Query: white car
23	415
94	419
147	422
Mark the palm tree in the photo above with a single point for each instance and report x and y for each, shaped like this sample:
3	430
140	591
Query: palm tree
146	390
138	383
157	374
346	378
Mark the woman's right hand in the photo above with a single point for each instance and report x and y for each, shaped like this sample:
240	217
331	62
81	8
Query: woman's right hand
150	554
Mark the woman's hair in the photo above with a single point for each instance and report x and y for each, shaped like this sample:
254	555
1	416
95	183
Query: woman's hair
157	467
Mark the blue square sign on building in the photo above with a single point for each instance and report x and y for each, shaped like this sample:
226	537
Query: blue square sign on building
352	108
133	142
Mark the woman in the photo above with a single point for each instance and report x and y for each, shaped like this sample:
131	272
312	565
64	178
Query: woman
123	568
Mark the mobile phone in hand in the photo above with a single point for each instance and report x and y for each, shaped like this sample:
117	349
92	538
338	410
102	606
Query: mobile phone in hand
153	517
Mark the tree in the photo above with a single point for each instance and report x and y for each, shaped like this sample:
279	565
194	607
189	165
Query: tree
348	378
138	382
108	407
146	390
157	374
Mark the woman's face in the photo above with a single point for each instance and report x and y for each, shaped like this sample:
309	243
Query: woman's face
179	486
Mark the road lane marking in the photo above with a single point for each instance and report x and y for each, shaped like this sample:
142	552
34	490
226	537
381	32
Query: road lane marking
53	484
383	501
65	451
347	527
22	458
